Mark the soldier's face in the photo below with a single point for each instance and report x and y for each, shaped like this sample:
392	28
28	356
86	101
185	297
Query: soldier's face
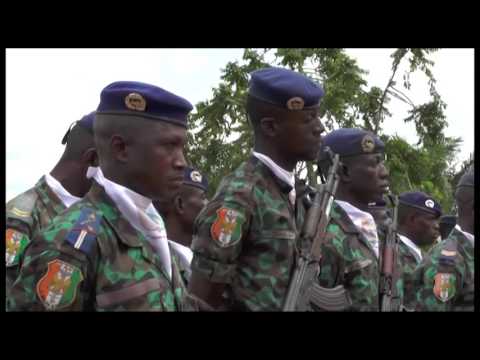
300	134
369	176
426	228
194	200
156	161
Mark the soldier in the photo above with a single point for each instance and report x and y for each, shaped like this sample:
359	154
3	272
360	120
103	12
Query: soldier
179	216
351	250
109	251
66	184
447	223
444	281
418	230
244	241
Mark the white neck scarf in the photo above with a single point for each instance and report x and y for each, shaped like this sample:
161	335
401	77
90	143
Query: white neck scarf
184	253
414	249
364	223
141	214
469	236
279	172
66	198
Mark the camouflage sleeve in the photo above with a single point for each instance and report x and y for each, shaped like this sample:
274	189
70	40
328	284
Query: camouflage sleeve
220	230
435	285
331	262
54	276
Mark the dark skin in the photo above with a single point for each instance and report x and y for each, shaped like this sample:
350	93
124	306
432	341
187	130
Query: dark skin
421	227
287	137
72	168
363	178
464	198
141	154
180	214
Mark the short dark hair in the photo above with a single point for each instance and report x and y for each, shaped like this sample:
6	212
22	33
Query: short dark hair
79	141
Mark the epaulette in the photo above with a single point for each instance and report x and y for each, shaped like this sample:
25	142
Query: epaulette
83	234
21	207
448	253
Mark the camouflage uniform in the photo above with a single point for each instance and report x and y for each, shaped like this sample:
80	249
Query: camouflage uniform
246	238
444	281
349	260
25	214
91	258
406	265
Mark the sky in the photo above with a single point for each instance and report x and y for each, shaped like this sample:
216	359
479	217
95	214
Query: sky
48	89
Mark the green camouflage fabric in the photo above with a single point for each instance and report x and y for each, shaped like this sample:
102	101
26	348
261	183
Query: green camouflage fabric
444	281
407	265
27	213
256	255
349	260
120	272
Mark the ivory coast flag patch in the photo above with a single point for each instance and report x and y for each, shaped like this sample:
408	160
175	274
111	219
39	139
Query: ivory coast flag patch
15	244
444	288
226	230
58	287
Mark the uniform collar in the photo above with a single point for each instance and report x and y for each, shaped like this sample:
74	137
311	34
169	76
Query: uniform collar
284	175
469	236
417	253
66	198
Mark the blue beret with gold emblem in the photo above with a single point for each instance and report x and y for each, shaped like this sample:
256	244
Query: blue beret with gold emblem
285	88
351	142
144	100
193	177
421	201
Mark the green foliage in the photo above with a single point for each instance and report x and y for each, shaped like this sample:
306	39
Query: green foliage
220	137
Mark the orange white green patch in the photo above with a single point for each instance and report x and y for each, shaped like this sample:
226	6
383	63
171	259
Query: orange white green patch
15	244
444	288
58	287
226	230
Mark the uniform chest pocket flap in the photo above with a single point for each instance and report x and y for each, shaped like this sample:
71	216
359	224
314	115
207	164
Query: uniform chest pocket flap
127	293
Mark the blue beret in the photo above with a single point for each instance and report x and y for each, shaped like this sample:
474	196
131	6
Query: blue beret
285	88
349	142
467	179
145	100
421	201
448	219
193	177
86	122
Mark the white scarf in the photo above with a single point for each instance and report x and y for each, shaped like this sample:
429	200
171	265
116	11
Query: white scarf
141	214
279	172
364	222
184	253
417	253
66	198
469	236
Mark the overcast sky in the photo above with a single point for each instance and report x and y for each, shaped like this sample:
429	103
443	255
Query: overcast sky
48	89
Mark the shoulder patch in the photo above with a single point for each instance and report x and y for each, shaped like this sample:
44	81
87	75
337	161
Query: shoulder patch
226	230
22	206
58	287
444	287
15	244
83	234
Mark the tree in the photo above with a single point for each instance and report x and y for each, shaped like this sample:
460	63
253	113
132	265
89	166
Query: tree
220	137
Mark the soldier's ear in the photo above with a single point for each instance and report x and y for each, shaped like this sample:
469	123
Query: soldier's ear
178	203
90	157
269	126
118	146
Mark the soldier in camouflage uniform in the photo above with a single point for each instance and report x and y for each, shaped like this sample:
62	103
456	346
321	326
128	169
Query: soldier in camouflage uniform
351	249
66	184
445	279
109	252
244	241
418	229
179	216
